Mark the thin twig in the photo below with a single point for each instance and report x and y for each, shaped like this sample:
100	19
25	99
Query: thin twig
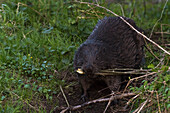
94	11
122	71
19	3
64	97
161	62
150	50
144	103
162	33
29	32
132	99
63	111
158	102
143	76
138	78
166	24
141	106
28	7
108	104
147	38
126	23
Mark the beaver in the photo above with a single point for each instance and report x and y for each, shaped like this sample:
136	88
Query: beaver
112	44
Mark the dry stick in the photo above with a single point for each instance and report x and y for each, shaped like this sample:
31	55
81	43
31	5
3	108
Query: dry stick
64	97
17	8
158	102
167	44
161	61
97	6
143	104
26	102
126	71
138	78
28	7
162	33
19	3
131	107
166	24
159	18
150	50
126	23
94	11
147	38
87	13
97	101
130	100
168	63
150	103
108	104
139	107
63	111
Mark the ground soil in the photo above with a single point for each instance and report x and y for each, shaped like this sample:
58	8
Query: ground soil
98	90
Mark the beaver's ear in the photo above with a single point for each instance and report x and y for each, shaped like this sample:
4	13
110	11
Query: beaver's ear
79	71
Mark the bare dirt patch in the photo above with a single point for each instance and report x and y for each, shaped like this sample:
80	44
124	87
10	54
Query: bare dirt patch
98	90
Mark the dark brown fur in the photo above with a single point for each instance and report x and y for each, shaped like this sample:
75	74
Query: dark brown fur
112	44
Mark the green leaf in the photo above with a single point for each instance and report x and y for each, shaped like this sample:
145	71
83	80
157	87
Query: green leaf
145	83
168	106
2	98
40	89
24	57
45	91
151	66
43	65
26	86
166	89
47	31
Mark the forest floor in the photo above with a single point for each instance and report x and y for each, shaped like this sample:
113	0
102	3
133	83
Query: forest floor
98	90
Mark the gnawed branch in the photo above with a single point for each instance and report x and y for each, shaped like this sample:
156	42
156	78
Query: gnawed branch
123	71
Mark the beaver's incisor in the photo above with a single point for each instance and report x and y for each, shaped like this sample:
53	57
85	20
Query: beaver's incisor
112	44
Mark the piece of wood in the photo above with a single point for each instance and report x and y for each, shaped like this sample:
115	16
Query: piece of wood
72	108
123	71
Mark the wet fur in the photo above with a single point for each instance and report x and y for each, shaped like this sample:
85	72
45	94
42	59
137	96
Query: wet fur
112	44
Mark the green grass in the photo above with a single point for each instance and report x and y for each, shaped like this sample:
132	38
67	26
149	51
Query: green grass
38	38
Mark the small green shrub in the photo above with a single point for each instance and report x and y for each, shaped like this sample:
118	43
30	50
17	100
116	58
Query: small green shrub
155	90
